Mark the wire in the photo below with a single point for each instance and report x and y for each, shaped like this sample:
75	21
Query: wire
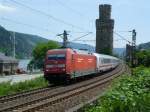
86	40
78	32
123	38
118	39
48	15
81	36
24	24
67	7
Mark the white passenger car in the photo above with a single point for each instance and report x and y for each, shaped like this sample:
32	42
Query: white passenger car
105	62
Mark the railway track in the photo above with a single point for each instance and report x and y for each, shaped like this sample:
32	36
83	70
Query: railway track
48	98
11	97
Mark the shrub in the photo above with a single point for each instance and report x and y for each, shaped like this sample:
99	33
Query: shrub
127	94
8	88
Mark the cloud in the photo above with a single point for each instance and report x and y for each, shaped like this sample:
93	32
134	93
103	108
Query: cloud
4	8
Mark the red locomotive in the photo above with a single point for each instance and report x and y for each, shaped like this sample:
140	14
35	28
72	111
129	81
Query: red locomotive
67	64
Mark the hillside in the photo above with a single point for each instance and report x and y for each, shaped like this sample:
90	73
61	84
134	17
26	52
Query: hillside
144	46
24	43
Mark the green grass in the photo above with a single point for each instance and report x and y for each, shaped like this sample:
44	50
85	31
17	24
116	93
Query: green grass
126	94
8	88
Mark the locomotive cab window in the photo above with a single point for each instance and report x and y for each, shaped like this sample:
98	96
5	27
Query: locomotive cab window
61	56
56	57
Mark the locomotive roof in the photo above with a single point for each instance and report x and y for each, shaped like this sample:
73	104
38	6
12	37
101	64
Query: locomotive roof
85	52
57	50
74	50
104	56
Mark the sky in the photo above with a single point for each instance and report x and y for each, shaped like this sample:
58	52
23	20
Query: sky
47	18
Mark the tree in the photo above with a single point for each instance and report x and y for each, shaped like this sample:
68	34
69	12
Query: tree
143	57
39	53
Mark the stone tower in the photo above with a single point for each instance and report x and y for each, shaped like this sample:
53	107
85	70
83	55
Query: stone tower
104	30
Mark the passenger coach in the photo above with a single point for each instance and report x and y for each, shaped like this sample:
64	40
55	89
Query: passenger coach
105	62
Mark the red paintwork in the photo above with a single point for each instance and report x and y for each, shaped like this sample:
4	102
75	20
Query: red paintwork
74	62
84	62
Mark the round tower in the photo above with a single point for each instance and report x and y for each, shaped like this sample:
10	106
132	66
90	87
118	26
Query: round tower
104	30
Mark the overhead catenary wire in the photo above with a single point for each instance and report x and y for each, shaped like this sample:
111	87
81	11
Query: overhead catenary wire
122	37
69	8
81	36
47	15
72	10
25	24
87	40
95	40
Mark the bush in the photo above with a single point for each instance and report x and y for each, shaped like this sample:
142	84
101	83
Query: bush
8	88
143	58
127	94
39	53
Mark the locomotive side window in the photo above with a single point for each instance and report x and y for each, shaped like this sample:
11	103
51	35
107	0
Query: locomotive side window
106	60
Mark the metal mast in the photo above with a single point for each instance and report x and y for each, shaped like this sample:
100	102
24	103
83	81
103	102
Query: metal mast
65	38
14	49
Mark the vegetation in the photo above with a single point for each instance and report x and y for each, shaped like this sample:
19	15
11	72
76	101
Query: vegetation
127	94
24	43
8	88
39	53
143	58
106	51
144	46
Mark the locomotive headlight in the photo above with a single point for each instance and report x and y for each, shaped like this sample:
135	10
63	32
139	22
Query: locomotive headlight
47	69
63	69
61	65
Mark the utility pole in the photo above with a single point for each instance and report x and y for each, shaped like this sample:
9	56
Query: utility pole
65	38
133	48
14	49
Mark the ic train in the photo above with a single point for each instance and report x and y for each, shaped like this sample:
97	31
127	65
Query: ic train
67	64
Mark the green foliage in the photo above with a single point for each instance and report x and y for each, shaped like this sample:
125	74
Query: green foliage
39	52
143	57
24	43
107	51
127	94
144	46
8	88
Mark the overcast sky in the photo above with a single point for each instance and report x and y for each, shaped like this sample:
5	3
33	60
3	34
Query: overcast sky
76	16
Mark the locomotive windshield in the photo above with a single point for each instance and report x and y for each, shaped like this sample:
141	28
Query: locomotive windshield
56	56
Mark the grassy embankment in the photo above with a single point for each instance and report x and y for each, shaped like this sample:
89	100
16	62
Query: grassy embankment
8	88
126	94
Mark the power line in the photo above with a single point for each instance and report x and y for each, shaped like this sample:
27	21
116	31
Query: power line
81	36
73	10
69	8
87	40
123	38
48	15
78	32
24	24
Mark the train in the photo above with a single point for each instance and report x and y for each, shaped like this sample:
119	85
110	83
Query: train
67	64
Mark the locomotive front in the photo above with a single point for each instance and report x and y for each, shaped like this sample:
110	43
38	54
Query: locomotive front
55	65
